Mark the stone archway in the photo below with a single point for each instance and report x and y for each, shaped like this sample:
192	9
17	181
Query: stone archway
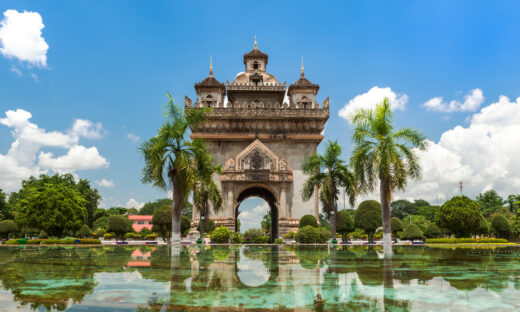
269	197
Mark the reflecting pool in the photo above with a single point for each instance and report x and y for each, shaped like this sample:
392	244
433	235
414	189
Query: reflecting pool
270	277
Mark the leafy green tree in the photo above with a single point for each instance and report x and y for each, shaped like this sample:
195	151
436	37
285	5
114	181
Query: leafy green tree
169	156
384	154
55	208
185	225
5	212
255	236
210	226
511	200
490	202
84	232
133	211
460	215
266	224
149	207
114	211
328	173
308	220
101	223
220	235
428	212
100	212
412	231
92	199
344	224
119	225
368	217
397	226
7	227
162	222
483	226
501	226
90	195
432	230
402	208
206	193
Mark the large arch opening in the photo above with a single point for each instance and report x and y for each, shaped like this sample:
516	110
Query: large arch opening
269	198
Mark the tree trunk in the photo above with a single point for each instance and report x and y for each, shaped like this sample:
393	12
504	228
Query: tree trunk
385	213
332	209
202	221
176	213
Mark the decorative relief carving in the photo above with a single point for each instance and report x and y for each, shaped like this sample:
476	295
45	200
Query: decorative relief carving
257	163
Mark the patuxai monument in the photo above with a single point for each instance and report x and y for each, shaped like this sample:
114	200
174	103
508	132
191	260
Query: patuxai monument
261	132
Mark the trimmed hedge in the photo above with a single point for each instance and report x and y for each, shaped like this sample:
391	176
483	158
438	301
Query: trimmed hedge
131	235
308	220
108	236
236	238
288	235
466	241
65	241
12	242
151	236
311	235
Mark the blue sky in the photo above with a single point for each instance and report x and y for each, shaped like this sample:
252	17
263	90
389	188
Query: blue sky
111	62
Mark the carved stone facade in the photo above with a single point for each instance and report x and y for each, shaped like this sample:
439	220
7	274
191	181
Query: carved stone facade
261	140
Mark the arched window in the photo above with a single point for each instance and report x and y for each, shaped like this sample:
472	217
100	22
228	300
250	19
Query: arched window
256	65
304	102
209	101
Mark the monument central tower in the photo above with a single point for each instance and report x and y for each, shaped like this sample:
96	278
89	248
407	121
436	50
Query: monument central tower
261	131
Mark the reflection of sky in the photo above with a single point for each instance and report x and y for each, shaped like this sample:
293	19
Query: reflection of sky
252	272
252	210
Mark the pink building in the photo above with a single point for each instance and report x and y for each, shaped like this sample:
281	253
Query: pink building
140	222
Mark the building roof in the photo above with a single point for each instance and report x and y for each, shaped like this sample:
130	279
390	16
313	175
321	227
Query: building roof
140	217
255	53
303	83
209	82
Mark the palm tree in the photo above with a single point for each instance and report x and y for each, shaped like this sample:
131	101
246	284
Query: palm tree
328	173
169	158
384	154
206	192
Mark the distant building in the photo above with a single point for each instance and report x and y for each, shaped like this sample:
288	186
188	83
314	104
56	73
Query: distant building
140	222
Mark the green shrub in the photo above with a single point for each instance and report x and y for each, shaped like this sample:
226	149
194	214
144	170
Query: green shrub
355	235
67	241
84	231
34	241
108	236
368	217
396	225
43	234
99	233
344	223
466	241
311	235
412	231
323	235
90	241
492	241
460	215
308	220
501	226
378	235
185	225
12	242
220	235
152	236
210	226
278	241
145	231
255	236
6	227
236	238
131	235
289	235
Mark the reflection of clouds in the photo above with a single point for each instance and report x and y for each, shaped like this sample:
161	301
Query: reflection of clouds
252	211
252	272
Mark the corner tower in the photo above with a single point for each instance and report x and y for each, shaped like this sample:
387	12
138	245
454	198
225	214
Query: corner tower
261	140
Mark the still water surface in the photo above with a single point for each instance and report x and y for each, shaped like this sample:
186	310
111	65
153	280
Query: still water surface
258	278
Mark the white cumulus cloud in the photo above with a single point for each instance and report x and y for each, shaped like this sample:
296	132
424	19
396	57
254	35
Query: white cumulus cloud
472	101
132	203
483	155
251	218
105	183
25	156
371	98
134	138
21	37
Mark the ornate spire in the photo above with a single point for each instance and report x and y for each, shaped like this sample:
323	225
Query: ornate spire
302	75
256	45
211	66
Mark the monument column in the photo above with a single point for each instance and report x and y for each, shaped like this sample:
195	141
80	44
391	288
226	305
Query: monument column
283	201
